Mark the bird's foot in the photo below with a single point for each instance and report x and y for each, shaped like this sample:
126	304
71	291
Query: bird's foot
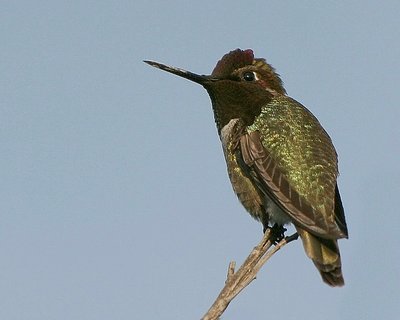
292	237
277	233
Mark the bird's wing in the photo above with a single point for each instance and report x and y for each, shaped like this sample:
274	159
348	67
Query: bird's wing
262	168
339	212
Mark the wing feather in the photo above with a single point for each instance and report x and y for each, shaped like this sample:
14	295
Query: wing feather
266	173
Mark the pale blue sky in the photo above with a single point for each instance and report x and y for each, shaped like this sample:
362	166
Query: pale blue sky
114	197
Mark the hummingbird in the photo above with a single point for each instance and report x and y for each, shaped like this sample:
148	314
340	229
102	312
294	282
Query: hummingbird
281	162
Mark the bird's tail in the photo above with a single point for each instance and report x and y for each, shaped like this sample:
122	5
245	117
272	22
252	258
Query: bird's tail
325	255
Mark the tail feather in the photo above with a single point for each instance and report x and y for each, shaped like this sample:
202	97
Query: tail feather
325	255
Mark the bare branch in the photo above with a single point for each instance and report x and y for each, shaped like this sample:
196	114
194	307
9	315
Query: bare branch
231	270
236	282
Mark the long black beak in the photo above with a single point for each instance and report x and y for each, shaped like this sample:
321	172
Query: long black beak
200	79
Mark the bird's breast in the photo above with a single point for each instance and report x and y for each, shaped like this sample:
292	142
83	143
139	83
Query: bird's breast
258	204
241	183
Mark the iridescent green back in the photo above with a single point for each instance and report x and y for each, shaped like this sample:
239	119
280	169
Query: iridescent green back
302	149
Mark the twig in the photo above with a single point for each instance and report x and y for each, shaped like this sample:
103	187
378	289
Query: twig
236	282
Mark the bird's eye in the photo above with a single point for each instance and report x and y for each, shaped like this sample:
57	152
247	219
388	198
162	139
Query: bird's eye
249	76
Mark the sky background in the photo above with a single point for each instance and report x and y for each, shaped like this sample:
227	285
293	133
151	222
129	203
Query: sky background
114	197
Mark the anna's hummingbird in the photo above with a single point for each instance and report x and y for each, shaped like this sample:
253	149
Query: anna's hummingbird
281	162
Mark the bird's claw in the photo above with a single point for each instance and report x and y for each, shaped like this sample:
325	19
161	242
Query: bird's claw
277	233
292	237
